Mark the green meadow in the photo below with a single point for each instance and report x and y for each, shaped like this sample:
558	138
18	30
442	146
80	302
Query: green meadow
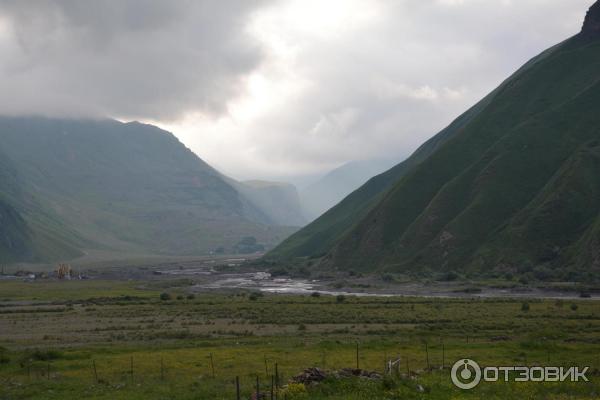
110	340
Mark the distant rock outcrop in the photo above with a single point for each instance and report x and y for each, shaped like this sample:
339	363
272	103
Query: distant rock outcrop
591	25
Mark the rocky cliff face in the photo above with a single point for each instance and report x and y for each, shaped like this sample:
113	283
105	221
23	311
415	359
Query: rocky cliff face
591	25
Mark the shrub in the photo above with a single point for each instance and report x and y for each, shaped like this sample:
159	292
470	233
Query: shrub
340	298
293	389
574	307
280	271
165	296
45	355
523	280
191	296
315	294
559	303
4	359
525	307
450	276
255	296
338	285
388	383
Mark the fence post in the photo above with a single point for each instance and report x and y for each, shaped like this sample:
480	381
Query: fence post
357	363
212	365
257	388
48	371
443	354
276	376
162	369
131	368
272	385
95	371
266	367
427	355
237	387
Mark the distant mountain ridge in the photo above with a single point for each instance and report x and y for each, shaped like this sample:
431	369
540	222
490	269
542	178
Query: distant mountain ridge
511	187
70	185
279	201
330	189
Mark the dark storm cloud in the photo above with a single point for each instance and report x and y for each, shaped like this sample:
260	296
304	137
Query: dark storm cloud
124	58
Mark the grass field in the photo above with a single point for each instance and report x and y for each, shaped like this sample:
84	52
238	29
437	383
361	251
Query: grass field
68	327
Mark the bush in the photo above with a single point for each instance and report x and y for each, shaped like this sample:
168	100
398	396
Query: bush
191	296
44	355
315	294
525	307
559	303
450	276
388	383
523	280
293	390
301	272
4	359
340	298
180	297
574	307
255	296
280	271
165	296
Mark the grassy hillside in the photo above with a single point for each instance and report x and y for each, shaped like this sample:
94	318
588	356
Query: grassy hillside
15	239
512	192
318	237
124	187
511	187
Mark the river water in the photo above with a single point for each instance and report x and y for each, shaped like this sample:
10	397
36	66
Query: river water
264	282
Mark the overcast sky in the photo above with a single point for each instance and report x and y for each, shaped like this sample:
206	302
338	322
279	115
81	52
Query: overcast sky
273	89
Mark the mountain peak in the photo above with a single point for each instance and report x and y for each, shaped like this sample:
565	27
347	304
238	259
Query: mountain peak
591	25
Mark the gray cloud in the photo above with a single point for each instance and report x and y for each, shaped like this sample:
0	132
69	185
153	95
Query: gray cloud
383	87
376	81
126	58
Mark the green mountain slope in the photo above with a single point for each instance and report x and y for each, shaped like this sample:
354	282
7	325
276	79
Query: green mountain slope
15	239
107	185
512	188
318	237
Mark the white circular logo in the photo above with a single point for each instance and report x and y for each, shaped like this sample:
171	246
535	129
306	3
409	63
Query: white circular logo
466	374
